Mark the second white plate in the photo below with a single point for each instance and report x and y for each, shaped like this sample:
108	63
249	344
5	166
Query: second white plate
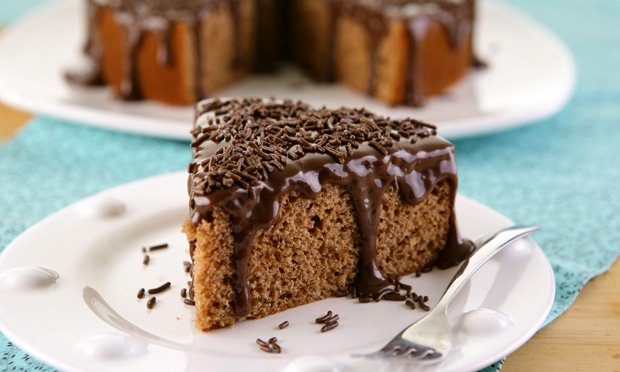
87	318
531	76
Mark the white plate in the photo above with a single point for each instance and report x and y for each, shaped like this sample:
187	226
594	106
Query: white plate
95	247
531	76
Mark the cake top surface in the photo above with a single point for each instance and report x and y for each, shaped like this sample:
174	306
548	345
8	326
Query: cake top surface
239	143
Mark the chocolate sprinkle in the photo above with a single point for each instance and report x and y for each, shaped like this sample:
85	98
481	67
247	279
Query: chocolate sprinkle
159	289
329	327
158	247
183	292
410	303
269	347
141	293
275	348
146	260
365	299
384	292
151	303
283	324
333	319
187	301
394	296
330	321
421	300
261	342
353	291
266	348
322	319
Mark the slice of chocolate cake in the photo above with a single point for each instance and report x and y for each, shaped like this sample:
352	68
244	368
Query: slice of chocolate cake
291	204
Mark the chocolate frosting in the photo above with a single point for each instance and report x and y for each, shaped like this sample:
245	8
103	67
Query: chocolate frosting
249	153
136	17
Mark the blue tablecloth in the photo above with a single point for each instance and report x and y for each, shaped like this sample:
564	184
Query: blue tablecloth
561	174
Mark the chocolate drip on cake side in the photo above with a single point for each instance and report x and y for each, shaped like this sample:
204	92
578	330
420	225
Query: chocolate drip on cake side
280	160
164	45
196	24
132	27
366	198
457	22
415	85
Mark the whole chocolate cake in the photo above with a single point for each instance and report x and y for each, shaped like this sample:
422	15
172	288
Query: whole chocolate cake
181	51
291	204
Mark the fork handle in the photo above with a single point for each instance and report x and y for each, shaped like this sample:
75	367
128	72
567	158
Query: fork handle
479	257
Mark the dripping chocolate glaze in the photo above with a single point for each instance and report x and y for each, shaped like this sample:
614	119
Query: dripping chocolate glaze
249	153
137	17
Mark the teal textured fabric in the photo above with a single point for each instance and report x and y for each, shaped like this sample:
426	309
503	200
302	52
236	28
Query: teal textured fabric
561	174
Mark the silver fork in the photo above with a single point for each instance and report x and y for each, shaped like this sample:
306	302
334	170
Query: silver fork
430	338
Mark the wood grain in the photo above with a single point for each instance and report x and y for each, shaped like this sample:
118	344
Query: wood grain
10	119
585	338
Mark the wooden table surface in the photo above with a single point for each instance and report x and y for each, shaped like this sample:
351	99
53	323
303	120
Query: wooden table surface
584	338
